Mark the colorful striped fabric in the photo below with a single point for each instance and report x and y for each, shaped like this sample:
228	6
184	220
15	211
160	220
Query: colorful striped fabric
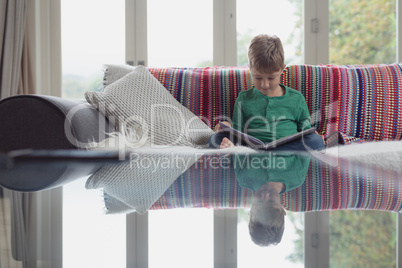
348	104
369	104
208	92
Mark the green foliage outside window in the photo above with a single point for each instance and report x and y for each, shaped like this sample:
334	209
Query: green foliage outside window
362	31
74	86
362	239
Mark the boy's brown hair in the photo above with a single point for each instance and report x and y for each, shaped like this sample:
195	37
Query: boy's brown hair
265	54
269	233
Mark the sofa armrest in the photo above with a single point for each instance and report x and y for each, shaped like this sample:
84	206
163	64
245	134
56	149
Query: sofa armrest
47	122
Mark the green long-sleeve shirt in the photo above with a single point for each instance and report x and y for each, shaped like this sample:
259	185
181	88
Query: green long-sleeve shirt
253	171
270	118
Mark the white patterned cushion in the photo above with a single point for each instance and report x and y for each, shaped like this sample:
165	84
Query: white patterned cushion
138	101
113	72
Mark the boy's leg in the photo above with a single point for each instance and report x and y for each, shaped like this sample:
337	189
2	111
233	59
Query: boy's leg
215	140
309	142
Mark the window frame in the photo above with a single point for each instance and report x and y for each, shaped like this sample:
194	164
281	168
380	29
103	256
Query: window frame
316	51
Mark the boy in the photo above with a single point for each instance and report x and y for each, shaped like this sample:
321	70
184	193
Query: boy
269	110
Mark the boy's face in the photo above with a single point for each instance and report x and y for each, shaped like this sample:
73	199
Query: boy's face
266	83
264	201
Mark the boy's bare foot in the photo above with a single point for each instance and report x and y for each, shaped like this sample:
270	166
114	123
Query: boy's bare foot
226	143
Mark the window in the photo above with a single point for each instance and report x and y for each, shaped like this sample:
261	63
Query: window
280	18
91	238
181	237
283	19
288	253
362	32
180	33
92	35
180	37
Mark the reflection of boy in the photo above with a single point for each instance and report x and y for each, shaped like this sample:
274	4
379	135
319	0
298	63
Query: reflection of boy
269	110
267	215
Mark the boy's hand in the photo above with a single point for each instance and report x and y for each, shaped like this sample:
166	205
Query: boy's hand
218	128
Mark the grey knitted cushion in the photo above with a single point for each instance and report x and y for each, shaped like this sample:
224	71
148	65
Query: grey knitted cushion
138	102
113	72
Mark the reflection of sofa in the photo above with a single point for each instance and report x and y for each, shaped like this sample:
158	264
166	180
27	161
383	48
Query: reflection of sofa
348	104
326	187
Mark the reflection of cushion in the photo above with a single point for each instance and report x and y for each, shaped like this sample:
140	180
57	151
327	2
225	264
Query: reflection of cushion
139	101
134	186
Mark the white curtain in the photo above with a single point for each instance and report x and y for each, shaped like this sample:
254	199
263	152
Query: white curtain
15	78
12	32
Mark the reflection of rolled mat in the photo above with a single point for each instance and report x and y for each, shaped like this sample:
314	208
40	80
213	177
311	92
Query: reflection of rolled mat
33	170
36	176
138	183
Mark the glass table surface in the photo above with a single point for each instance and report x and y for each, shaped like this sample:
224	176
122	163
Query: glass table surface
77	208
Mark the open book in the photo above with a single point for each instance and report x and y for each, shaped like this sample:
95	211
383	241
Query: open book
258	144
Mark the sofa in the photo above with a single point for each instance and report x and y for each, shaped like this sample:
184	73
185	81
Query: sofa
358	103
348	105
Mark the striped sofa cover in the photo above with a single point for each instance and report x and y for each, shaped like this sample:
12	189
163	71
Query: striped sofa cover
348	104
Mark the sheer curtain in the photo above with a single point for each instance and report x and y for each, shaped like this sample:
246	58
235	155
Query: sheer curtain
16	77
15	70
